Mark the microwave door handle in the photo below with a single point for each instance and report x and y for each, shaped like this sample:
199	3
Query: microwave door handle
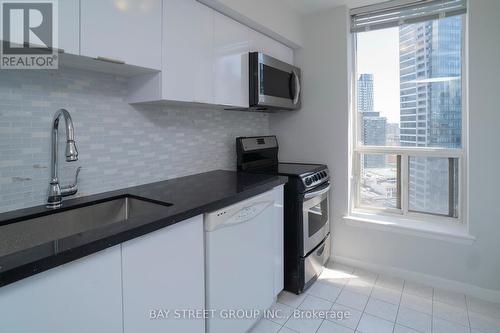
297	87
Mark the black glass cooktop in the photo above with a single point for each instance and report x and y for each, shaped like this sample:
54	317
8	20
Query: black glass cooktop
297	169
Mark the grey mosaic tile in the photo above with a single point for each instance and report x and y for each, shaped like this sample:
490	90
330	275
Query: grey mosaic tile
120	145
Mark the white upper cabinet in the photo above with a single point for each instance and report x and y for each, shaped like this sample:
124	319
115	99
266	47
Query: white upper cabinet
232	42
123	31
69	26
187	72
271	47
204	58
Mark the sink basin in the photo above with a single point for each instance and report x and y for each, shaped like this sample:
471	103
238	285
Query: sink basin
36	231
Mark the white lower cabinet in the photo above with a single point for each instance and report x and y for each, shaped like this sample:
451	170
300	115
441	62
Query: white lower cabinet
147	285
164	271
79	297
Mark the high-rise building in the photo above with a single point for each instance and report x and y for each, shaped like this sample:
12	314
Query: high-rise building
373	126
365	93
430	104
392	134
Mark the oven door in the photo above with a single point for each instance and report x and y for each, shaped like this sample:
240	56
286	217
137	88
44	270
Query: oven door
273	84
316	217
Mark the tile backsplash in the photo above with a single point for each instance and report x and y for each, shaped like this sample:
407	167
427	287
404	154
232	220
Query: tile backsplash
119	144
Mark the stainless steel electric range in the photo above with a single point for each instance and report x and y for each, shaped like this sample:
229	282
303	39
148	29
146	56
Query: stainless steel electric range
307	216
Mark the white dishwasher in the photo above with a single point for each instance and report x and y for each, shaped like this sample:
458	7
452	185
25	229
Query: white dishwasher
239	264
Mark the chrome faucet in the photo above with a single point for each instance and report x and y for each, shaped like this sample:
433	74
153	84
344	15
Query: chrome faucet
57	192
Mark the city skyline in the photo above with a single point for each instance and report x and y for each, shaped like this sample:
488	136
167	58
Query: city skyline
429	114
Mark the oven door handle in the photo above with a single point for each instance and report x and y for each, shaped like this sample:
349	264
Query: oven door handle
316	193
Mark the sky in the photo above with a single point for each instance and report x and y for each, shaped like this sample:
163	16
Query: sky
378	54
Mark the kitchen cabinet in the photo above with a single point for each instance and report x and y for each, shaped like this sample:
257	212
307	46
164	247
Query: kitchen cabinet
82	296
232	42
69	26
205	58
164	270
267	45
122	31
114	290
187	71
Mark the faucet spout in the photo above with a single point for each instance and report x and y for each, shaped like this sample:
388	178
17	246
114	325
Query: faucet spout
55	194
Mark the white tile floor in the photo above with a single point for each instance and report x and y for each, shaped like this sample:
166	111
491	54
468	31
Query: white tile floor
380	304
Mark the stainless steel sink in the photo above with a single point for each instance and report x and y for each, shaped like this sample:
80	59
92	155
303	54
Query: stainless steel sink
35	231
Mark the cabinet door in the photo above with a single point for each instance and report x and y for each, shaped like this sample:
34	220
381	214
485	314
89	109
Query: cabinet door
128	31
164	270
231	46
269	46
278	241
187	51
69	26
81	296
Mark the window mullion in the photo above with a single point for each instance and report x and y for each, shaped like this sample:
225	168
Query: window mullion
357	179
404	183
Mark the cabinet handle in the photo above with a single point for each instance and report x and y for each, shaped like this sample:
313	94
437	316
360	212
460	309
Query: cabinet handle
111	60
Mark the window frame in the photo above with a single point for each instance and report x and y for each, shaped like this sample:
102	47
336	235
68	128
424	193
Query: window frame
356	149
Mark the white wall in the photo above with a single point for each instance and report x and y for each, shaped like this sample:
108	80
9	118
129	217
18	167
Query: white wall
269	17
319	133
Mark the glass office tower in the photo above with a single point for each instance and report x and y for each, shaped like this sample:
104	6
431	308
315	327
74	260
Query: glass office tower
431	104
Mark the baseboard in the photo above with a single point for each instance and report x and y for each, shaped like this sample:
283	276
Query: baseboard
433	281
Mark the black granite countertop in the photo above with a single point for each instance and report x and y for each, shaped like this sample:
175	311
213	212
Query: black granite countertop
22	254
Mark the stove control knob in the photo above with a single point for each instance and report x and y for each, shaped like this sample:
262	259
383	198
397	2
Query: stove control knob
308	181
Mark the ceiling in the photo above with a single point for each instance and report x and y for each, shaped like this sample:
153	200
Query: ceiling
310	6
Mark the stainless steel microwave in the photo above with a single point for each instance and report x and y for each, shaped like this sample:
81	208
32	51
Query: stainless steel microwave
274	84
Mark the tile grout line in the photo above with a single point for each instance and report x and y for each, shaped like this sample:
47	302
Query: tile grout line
297	308
363	312
432	311
467	311
336	298
399	305
333	303
369	296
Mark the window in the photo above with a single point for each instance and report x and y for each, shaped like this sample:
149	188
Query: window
408	121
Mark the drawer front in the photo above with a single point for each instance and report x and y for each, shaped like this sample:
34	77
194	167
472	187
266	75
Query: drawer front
315	261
